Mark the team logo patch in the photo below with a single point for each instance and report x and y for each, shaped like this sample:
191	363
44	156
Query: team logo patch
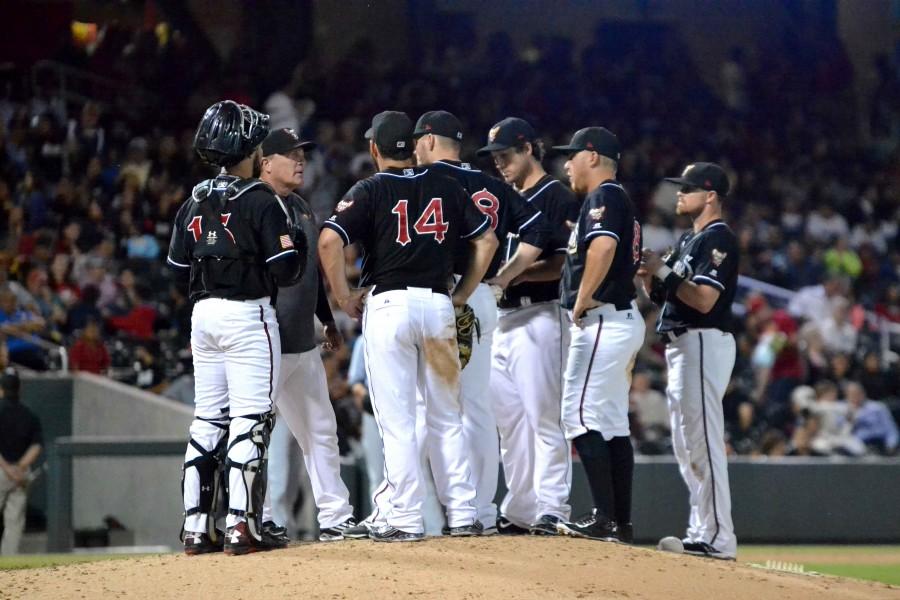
718	257
286	241
492	134
597	213
343	205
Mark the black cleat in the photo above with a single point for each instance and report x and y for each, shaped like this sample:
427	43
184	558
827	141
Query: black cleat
276	534
625	532
507	527
705	550
474	529
337	533
392	534
592	527
200	543
545	525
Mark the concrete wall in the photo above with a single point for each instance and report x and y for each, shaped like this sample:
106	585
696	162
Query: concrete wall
143	493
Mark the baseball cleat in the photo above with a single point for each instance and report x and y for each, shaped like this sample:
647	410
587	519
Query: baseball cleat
705	550
275	532
360	531
238	541
475	528
625	532
592	527
199	543
545	525
340	531
507	527
392	534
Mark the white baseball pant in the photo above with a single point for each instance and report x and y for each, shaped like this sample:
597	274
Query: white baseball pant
237	356
700	363
305	405
410	338
529	351
598	372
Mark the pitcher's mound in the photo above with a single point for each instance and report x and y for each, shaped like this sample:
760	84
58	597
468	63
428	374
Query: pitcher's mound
505	568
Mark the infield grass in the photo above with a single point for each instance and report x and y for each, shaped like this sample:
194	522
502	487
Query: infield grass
873	563
37	561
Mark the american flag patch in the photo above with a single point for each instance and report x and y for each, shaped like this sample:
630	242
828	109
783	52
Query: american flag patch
286	241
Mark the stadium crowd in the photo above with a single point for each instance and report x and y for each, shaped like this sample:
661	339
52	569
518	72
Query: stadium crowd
89	190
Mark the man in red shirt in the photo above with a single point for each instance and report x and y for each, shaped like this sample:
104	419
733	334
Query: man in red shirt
89	352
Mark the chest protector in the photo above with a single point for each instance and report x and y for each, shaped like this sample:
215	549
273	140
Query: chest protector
224	234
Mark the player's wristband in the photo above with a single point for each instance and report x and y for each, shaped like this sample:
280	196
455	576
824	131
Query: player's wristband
671	280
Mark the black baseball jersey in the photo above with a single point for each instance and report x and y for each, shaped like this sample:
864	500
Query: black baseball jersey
410	223
558	204
244	255
506	209
607	210
709	257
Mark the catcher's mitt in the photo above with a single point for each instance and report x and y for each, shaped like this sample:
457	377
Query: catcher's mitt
467	327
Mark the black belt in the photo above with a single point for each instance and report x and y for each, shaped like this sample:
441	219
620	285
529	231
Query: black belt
392	287
523	301
670	336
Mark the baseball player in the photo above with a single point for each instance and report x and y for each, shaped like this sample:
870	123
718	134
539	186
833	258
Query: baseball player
603	256
529	346
302	398
696	284
438	135
410	221
232	237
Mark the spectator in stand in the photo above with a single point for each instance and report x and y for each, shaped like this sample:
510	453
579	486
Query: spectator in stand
20	327
649	414
84	310
824	225
842	261
745	435
838	333
795	268
879	383
656	235
89	352
812	303
872	422
834	434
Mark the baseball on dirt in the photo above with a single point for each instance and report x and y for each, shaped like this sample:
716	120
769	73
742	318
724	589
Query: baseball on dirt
671	544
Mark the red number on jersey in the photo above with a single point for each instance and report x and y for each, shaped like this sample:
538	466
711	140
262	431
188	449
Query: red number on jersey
431	222
225	218
402	222
488	204
195	229
636	244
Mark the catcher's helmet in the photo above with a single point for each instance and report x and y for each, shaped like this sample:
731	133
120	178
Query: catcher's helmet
228	133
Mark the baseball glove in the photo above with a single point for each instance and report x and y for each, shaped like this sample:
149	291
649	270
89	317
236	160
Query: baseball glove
467	328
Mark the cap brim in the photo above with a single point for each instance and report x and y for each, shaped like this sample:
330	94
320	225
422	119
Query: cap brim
568	148
678	180
307	146
493	147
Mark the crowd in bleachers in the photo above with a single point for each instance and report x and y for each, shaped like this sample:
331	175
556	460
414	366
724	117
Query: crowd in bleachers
88	192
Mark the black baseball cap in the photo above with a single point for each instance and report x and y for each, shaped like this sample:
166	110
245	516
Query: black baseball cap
439	122
511	131
704	175
282	141
597	139
391	130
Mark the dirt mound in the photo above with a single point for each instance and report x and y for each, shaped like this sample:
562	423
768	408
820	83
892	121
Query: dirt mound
505	568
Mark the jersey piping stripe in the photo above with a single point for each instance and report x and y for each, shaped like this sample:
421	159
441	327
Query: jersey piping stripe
614	184
176	264
543	187
710	281
529	221
402	176
563	350
485	224
271	358
591	235
280	254
712	475
340	231
467	170
587	375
